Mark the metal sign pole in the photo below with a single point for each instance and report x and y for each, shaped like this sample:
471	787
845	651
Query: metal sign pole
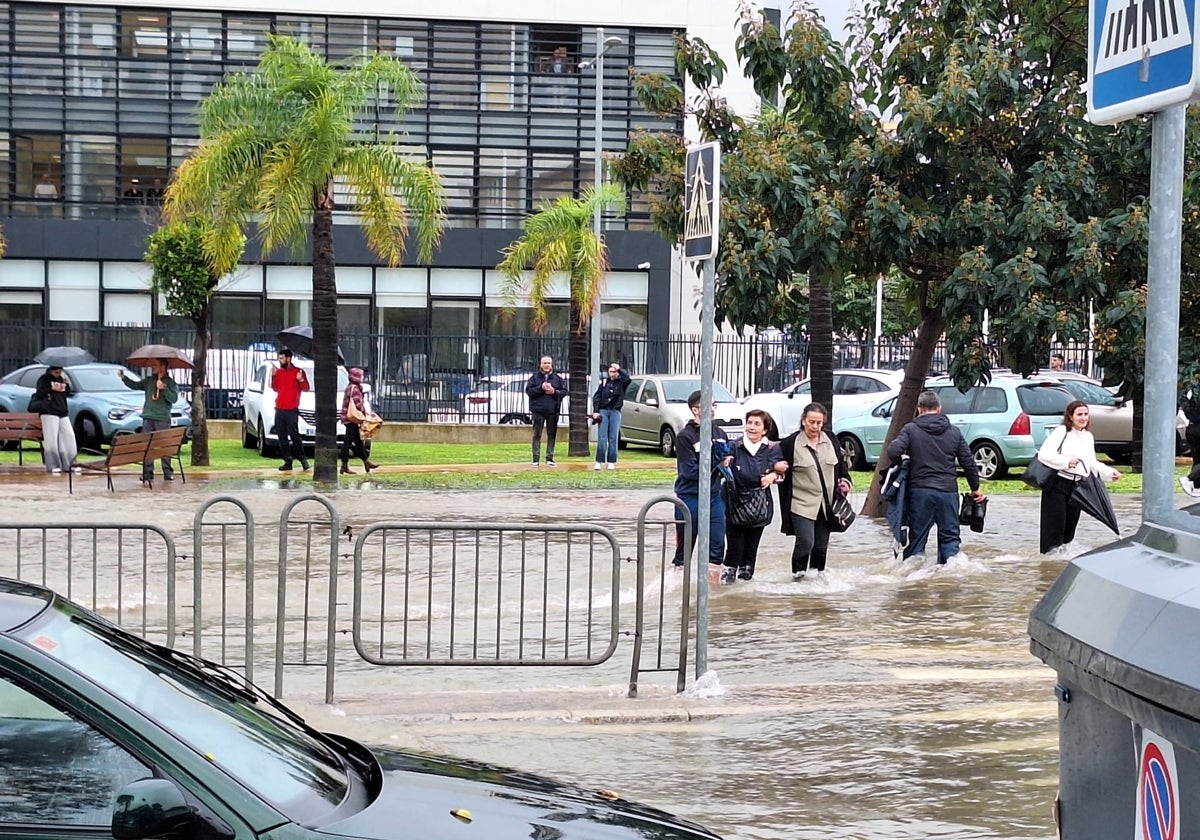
704	505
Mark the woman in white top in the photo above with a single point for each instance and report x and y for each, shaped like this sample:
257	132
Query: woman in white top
1071	450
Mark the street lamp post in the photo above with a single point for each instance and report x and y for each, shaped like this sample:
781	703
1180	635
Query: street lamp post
603	45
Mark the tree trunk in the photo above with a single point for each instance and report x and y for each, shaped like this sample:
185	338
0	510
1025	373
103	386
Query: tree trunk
577	386
203	322
325	333
820	345
906	403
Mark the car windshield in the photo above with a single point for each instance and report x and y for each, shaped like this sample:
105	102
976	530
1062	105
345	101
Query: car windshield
1043	399
98	379
678	390
281	762
1089	393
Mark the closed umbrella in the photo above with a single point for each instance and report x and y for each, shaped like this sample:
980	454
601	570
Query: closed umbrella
895	493
147	353
1092	498
64	356
300	340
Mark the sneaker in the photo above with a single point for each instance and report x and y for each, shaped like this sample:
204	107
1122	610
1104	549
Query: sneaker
78	470
612	466
55	471
745	573
597	466
797	576
1187	486
286	466
168	476
728	575
536	465
550	462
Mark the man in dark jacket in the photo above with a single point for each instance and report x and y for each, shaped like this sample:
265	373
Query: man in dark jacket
933	447
545	390
606	410
687	485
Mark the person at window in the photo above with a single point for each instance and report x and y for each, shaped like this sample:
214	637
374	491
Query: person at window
133	193
545	390
1071	450
559	62
161	392
803	504
49	401
46	193
155	192
352	444
606	411
288	381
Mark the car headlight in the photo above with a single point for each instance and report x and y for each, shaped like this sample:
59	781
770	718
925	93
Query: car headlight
121	412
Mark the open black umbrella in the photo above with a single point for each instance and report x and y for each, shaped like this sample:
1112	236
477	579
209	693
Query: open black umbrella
1092	497
64	356
300	340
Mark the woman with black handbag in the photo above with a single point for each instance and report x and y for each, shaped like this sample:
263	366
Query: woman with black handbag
757	464
1070	450
817	472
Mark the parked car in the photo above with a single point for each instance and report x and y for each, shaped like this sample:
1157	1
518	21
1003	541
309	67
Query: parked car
656	410
100	406
854	389
258	408
1004	422
106	734
502	399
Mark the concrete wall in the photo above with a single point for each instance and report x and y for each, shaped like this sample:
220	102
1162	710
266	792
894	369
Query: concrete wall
412	432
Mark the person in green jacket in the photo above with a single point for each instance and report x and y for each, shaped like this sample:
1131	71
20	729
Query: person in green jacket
161	392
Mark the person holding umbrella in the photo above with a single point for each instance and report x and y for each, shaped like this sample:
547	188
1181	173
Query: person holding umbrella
1071	450
161	393
49	401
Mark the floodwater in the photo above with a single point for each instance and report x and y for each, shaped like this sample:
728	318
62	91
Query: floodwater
881	699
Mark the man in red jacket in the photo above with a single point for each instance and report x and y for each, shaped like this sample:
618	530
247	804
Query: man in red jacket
288	381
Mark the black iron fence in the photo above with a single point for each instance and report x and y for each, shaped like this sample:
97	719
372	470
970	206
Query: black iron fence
476	378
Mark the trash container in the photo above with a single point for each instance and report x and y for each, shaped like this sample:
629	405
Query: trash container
1121	627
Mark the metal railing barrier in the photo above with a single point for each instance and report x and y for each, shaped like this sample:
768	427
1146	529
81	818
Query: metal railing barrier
663	569
223	622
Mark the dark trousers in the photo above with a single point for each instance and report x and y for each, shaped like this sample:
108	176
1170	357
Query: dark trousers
352	444
741	546
550	421
1192	435
287	428
716	528
812	543
1059	515
927	508
149	425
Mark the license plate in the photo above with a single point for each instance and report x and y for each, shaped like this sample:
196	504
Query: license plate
174	422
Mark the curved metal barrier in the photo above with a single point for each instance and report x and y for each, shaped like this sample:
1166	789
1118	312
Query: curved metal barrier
200	528
662	618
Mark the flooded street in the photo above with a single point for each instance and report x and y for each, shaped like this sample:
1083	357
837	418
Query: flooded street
878	700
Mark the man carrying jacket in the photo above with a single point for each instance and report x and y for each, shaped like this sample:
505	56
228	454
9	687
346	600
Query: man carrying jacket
934	446
606	410
545	390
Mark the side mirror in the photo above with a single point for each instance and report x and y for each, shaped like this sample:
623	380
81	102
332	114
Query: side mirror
255	388
652	402
151	808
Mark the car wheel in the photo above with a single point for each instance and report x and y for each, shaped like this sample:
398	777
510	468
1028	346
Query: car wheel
265	449
666	442
249	441
515	420
852	452
988	460
88	436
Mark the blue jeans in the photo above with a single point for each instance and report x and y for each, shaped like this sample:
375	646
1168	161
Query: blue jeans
716	528
608	435
927	508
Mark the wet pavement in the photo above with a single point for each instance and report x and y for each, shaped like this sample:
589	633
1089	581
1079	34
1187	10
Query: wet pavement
881	699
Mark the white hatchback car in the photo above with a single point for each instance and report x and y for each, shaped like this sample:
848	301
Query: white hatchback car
502	399
854	390
258	408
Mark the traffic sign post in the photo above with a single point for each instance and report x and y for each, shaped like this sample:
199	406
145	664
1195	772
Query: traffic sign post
701	227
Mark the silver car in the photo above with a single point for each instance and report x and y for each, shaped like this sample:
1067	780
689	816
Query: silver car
656	409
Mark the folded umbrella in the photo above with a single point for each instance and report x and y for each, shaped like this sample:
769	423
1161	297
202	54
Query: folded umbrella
64	356
300	340
147	353
1092	498
895	493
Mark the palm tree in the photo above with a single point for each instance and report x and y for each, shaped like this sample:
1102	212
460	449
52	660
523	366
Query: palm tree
273	143
559	239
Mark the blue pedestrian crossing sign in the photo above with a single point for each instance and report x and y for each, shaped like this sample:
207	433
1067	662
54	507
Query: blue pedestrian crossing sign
702	201
1141	57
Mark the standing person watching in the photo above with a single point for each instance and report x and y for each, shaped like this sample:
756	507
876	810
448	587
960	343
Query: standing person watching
687	487
161	392
352	443
757	464
1056	361
1071	450
934	446
606	410
288	381
49	401
545	390
1190	405
803	502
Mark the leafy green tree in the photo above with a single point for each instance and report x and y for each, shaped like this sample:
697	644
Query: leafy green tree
182	275
274	142
559	239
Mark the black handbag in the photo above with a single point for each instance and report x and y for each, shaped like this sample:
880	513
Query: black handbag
1038	474
747	508
838	513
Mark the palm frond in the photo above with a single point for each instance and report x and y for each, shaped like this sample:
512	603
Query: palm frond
394	191
285	199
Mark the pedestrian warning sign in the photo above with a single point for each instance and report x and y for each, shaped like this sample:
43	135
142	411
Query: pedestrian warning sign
702	201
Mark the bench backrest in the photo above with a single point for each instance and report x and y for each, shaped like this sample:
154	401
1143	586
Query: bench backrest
165	443
26	423
127	449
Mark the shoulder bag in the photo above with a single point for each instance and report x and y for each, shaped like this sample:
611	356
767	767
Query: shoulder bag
839	513
747	508
354	414
1038	474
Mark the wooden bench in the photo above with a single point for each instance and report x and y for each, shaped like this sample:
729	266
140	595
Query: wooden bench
137	449
19	427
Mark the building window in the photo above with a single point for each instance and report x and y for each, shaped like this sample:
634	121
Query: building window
143	34
38	29
453	75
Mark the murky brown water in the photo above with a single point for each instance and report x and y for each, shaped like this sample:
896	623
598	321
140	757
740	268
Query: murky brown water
879	700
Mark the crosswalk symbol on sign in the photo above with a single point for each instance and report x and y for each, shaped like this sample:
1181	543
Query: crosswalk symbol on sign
702	201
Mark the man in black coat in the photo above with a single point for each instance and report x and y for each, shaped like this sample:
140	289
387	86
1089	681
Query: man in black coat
934	446
545	390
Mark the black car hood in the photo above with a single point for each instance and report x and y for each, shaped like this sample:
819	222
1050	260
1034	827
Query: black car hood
434	798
